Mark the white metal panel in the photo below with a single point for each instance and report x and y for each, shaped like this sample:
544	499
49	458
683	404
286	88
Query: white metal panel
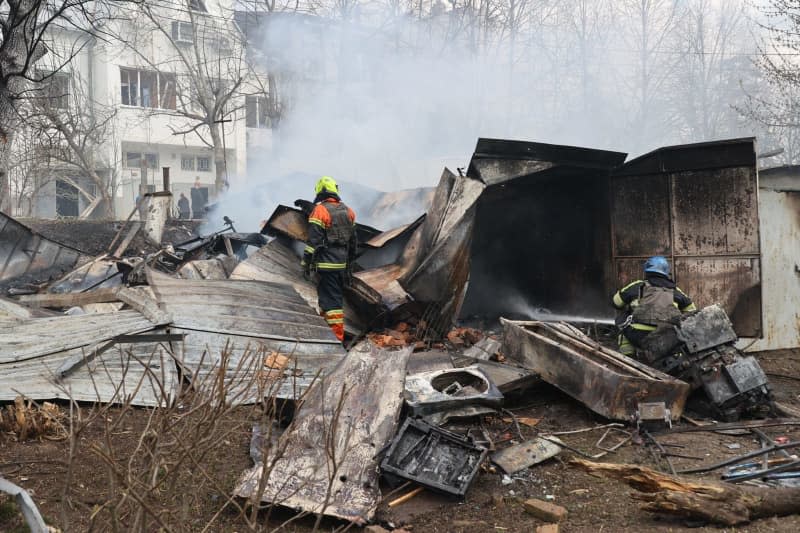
780	260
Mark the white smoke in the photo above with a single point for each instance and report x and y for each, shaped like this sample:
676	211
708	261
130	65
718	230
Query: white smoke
387	100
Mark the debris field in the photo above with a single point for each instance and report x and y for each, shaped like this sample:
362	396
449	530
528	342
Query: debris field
154	375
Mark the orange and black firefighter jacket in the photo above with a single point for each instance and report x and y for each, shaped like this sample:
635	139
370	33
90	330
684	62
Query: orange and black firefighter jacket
331	236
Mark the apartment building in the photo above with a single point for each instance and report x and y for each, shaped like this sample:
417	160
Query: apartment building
146	98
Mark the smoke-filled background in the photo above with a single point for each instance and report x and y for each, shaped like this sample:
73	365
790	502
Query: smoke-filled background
382	95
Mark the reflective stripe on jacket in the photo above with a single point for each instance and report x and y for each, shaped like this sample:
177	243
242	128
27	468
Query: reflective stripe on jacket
329	255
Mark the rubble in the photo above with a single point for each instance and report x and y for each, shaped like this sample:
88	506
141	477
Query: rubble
435	458
525	454
606	381
545	511
418	396
345	419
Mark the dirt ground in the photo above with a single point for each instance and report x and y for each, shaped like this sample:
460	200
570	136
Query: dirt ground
594	504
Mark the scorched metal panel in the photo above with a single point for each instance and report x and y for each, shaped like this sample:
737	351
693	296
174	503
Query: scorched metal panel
711	235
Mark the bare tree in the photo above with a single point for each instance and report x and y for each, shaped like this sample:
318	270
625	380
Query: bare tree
24	29
77	133
651	31
205	69
774	102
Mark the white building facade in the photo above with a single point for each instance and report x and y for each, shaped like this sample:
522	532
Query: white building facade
156	83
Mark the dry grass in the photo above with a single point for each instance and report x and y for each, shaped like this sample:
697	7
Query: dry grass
29	420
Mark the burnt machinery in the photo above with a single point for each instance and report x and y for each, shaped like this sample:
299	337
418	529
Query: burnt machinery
701	351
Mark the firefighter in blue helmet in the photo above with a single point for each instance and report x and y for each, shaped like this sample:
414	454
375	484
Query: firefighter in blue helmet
645	304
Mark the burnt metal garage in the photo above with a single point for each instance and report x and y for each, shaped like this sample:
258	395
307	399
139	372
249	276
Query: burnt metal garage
561	227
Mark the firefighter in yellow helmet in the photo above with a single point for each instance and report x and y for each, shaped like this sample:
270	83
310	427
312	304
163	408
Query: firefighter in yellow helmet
331	245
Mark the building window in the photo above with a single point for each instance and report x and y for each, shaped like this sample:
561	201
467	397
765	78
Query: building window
256	112
182	32
134	160
141	88
204	164
187	162
55	89
198	5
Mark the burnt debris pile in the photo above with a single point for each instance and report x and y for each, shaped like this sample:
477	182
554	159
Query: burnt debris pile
530	230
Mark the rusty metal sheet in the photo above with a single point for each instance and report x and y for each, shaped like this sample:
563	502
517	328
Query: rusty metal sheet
23	252
276	262
713	225
33	350
289	222
732	282
605	381
364	394
382	239
697	156
716	212
641	215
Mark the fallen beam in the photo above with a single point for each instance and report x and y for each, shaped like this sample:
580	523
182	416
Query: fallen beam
71	299
720	503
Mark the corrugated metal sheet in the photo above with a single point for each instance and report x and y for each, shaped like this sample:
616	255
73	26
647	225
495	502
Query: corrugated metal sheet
276	263
25	252
36	338
137	372
33	350
249	321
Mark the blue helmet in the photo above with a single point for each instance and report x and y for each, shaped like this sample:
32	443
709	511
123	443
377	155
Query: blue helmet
657	264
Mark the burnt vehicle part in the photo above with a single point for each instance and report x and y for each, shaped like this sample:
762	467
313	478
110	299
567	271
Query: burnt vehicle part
605	381
454	388
701	350
433	457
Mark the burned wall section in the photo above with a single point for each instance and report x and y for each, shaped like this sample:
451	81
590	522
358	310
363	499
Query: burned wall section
542	242
697	205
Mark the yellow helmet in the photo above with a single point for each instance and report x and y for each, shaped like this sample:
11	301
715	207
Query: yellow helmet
326	184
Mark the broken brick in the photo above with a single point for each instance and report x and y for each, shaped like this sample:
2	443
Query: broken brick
375	529
402	327
276	361
547	528
548	512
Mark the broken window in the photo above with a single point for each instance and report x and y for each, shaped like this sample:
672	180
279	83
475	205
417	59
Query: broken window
204	164
256	111
142	88
187	162
182	32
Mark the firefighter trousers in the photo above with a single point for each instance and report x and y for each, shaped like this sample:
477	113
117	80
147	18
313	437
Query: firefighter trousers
330	296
